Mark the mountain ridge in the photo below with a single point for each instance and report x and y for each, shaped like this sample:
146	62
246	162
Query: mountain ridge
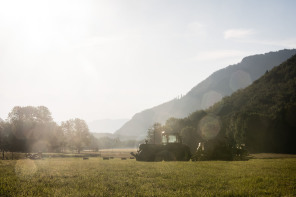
263	114
261	117
211	90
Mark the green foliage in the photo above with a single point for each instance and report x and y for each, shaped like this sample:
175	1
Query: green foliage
4	138
76	133
190	138
32	129
154	134
262	116
220	84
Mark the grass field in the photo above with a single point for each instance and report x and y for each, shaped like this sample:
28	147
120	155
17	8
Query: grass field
117	153
116	177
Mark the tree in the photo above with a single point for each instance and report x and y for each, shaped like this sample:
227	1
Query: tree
4	142
30	128
190	138
94	143
30	113
56	138
76	133
154	133
173	125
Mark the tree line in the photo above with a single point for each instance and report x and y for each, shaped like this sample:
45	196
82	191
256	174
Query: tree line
32	129
261	116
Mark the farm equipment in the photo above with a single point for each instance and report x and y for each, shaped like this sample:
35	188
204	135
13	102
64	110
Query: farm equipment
34	156
171	149
218	149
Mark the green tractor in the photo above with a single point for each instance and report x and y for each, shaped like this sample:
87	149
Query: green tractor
171	149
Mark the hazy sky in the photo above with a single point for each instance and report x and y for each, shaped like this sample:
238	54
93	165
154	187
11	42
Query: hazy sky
112	59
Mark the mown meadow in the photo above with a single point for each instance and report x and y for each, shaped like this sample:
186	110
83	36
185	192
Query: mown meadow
116	177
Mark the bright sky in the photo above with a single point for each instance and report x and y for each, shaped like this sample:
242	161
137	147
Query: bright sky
112	59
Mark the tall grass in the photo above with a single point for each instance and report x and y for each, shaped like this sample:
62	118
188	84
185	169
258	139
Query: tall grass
97	177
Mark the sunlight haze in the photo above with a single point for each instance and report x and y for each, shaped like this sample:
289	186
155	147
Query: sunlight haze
112	59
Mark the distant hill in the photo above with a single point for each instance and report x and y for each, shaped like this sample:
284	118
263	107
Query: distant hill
106	125
262	116
220	84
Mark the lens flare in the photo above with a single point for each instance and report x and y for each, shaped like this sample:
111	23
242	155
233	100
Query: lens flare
209	127
25	168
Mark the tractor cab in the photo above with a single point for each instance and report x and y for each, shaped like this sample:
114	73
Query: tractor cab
169	138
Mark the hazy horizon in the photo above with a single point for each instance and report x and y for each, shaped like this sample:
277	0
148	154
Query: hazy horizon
105	125
109	60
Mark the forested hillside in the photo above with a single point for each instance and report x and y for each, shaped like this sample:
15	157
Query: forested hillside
262	116
220	84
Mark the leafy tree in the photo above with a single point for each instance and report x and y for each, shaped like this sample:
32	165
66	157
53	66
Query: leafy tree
154	134
30	113
173	125
94	143
30	128
56	139
190	138
4	140
76	133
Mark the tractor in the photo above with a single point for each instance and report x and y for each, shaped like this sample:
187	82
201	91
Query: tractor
171	149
